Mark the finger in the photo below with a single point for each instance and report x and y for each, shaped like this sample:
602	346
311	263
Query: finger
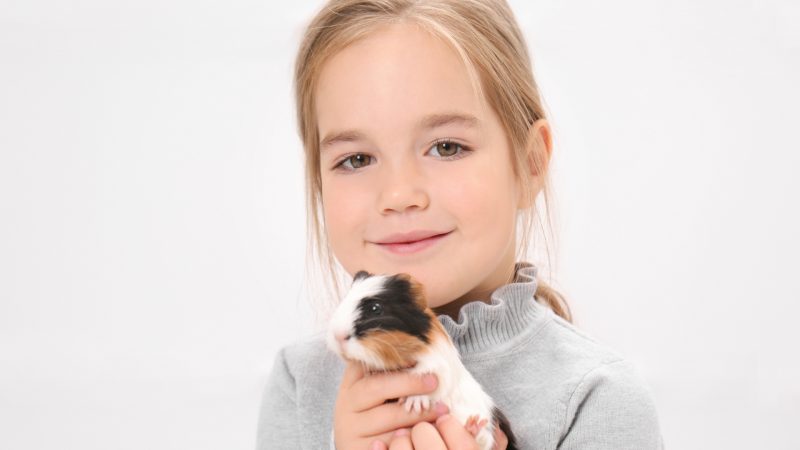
425	436
391	416
353	371
377	445
401	440
374	390
380	441
387	437
500	439
454	433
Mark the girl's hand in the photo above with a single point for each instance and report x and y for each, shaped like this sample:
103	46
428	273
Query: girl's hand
448	434
362	416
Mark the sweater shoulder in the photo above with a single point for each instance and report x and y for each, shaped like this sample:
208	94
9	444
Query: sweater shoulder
604	384
580	344
580	356
308	355
579	385
300	395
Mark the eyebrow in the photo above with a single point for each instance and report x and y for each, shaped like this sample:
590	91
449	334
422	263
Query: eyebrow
427	123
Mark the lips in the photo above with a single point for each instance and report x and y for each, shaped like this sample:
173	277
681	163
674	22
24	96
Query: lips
407	238
411	243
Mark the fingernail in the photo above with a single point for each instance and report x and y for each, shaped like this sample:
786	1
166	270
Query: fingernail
430	380
441	408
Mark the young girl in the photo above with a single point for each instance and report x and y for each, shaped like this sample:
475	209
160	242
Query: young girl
425	142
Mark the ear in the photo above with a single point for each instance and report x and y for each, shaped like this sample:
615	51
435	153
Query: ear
360	275
540	142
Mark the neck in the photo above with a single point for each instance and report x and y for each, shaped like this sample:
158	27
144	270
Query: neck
481	293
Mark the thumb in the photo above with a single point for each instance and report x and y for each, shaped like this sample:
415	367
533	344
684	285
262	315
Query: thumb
353	371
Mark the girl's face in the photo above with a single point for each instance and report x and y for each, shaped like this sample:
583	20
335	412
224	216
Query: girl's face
385	104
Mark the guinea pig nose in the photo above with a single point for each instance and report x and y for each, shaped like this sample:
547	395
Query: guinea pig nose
342	337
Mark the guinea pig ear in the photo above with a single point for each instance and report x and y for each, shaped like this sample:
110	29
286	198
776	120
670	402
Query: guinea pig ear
403	276
360	275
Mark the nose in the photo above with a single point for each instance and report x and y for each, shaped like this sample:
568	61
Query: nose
341	338
403	188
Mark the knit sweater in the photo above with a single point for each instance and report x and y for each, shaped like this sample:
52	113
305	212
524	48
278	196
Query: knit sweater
559	388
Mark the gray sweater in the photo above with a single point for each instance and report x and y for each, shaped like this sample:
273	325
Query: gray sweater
559	388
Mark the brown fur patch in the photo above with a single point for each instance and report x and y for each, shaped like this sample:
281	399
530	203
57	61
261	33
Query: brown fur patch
397	349
417	291
437	329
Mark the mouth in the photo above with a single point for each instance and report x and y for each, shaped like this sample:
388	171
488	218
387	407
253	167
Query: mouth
407	245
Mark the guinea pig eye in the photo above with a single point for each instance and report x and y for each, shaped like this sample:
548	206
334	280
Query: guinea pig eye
376	309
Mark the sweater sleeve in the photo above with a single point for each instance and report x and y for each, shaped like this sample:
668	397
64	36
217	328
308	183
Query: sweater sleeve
278	421
612	408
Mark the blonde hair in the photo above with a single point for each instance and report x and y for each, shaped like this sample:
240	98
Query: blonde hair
485	35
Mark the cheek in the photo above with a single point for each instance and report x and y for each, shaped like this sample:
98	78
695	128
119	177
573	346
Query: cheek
482	199
342	203
345	209
394	349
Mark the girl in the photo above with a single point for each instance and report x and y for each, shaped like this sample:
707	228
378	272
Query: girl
425	142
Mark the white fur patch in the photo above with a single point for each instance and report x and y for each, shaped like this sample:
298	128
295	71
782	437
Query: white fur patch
345	316
457	388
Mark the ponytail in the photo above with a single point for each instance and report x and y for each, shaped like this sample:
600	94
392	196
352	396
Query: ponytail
552	298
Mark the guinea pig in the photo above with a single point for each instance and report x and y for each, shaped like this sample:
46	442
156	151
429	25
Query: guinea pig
384	323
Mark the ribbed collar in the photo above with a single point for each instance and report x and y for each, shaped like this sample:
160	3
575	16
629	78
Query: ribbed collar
512	311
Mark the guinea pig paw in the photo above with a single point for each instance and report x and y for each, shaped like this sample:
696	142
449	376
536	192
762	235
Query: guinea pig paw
474	424
417	402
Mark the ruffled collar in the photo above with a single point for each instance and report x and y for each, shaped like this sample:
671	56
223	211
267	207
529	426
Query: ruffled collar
512	311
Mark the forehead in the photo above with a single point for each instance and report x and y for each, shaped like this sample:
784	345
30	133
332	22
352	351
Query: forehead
390	80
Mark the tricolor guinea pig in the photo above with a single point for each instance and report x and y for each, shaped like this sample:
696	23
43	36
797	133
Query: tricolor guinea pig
385	323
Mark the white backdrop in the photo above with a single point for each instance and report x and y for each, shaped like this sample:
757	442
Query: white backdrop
151	211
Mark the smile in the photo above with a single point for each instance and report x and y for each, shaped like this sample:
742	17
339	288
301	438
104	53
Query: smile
404	248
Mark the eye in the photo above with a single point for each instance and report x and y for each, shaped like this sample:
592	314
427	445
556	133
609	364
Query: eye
355	161
376	309
449	149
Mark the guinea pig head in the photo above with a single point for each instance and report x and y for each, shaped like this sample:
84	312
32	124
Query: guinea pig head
383	321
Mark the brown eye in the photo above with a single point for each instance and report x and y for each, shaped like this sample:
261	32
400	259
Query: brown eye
356	161
448	149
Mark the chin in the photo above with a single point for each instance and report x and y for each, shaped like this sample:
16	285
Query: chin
435	298
432	282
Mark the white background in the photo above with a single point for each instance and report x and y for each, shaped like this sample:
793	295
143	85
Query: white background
152	222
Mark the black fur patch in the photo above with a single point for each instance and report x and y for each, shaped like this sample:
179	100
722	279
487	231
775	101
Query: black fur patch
502	422
397	311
